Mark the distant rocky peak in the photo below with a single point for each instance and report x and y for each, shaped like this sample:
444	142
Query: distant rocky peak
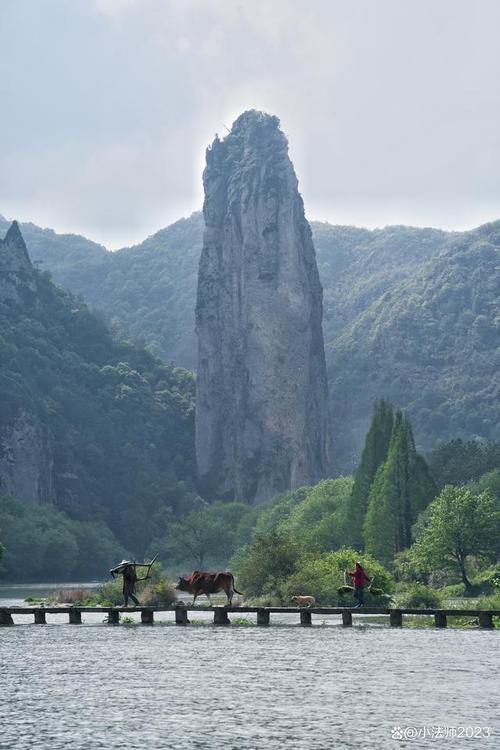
252	132
16	271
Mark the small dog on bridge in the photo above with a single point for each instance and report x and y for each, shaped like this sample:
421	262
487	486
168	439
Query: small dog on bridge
304	601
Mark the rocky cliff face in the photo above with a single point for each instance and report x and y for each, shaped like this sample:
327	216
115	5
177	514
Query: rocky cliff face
16	272
262	403
26	459
26	445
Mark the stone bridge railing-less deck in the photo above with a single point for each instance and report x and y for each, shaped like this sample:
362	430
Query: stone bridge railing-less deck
263	614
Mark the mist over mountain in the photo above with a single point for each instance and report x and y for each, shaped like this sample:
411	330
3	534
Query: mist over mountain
410	314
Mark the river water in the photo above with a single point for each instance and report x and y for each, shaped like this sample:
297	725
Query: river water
242	687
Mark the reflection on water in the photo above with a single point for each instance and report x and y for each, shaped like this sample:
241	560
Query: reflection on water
95	686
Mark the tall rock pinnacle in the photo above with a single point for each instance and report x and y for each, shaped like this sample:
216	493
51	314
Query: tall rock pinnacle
262	402
16	271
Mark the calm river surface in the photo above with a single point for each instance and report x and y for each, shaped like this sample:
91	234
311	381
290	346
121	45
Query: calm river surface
94	686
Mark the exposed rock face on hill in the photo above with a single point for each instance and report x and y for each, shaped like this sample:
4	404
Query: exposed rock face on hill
26	452
262	401
16	277
26	459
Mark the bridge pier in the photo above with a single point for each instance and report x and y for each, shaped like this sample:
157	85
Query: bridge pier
305	618
440	620
486	620
113	617
181	616
263	617
75	617
220	616
6	617
347	618
396	618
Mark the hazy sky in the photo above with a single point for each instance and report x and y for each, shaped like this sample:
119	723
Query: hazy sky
391	107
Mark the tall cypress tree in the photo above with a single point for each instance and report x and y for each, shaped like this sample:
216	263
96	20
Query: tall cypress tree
374	454
402	488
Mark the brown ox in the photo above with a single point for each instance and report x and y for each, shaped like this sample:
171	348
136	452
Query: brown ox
208	583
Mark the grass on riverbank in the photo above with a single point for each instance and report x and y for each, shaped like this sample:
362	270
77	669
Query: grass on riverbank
156	591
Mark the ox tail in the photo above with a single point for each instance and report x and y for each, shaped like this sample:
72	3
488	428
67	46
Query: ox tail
234	587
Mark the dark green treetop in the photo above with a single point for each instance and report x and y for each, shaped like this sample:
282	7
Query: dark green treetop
374	454
403	487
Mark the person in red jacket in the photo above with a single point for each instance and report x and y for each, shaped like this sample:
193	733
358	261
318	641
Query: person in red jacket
359	579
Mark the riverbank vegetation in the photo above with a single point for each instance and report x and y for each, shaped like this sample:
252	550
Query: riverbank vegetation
157	590
424	541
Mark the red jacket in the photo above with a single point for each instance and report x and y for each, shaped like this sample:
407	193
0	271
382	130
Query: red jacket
359	577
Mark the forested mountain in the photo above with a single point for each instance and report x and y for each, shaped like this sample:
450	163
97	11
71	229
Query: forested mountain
148	291
409	314
91	426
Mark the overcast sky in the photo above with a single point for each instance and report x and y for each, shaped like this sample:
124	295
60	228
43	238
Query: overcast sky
391	107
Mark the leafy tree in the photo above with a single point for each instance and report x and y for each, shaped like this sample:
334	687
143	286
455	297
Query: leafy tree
402	488
277	513
374	454
458	461
489	482
264	566
317	520
42	543
457	525
209	533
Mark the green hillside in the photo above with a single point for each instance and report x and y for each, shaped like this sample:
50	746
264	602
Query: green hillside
409	314
111	427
